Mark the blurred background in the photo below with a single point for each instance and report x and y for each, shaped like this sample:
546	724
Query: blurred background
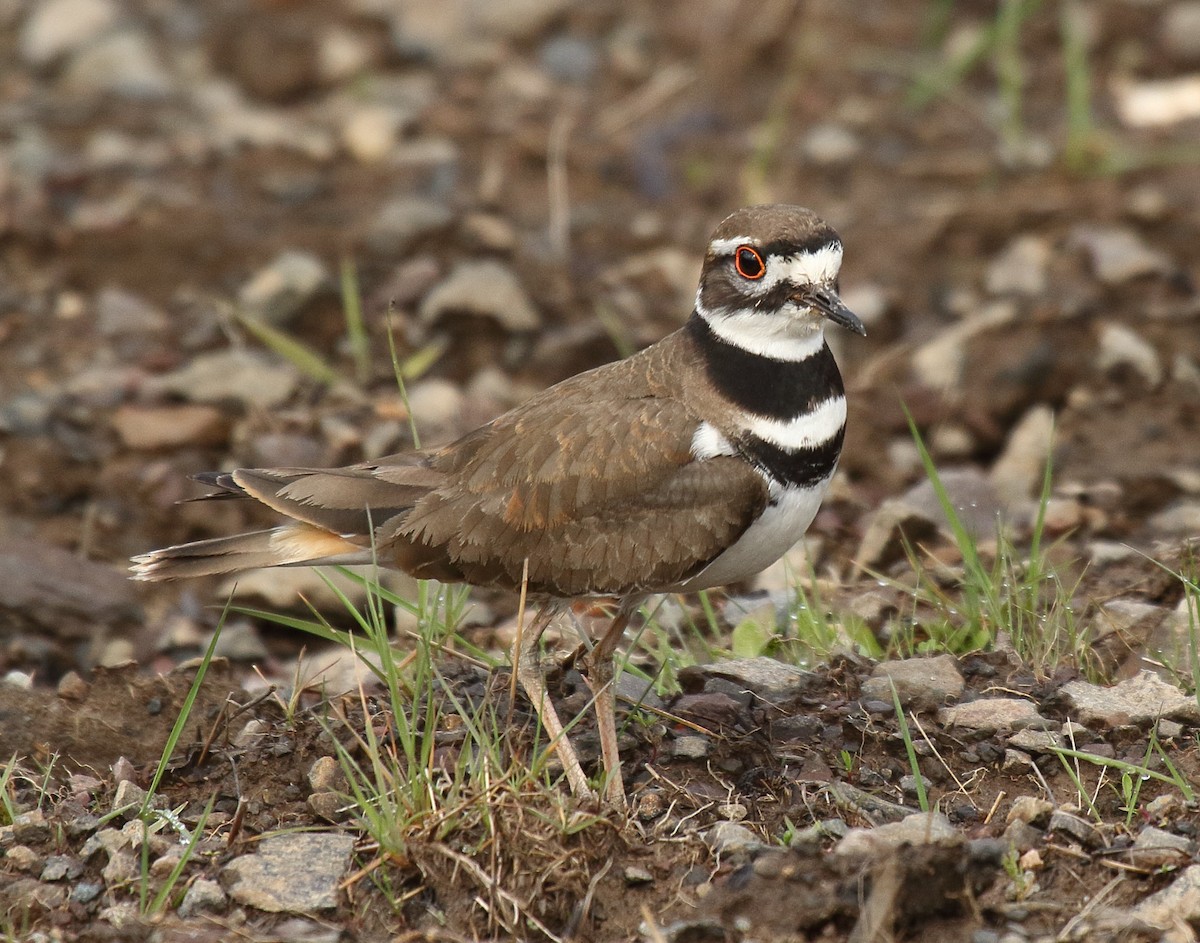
213	215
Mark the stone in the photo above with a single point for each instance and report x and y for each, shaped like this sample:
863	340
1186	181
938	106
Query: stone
726	838
1118	255
1018	473
635	876
403	222
124	64
57	28
1022	836
763	677
297	873
370	131
120	312
921	683
1076	827
829	145
278	292
1179	517
146	428
128	798
993	715
1180	31
326	775
486	288
690	747
1140	700
250	377
31	828
938	364
572	59
1030	809
23	858
203	896
1020	269
1157	848
1157	103
1036	741
1177	902
1122	347
920	828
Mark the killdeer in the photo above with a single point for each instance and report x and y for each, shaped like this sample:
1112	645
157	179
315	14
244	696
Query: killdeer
694	463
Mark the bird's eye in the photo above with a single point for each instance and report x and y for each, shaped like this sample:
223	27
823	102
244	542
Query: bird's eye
749	263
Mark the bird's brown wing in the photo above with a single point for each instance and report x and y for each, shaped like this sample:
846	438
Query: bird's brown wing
593	482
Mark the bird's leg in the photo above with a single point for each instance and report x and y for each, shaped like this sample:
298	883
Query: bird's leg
529	672
598	672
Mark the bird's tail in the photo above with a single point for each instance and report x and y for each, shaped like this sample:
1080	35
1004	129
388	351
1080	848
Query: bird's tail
292	544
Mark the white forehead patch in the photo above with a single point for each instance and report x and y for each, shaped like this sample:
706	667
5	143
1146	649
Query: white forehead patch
804	268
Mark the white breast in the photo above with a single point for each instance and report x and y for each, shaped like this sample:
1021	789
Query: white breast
780	526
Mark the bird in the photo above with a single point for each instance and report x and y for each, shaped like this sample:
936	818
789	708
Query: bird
692	464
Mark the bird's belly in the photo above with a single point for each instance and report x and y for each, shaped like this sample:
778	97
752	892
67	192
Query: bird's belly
779	527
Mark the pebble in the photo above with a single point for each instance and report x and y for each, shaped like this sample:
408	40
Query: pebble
1156	848
1077	827
938	364
250	377
635	876
124	64
325	775
403	222
203	896
1140	700
482	287
1020	469
1031	810
830	145
690	747
1020	269
370	132
1180	517
1177	902
1118	255
1180	31
297	873
1122	347
869	300
57	28
763	677
571	59
121	312
726	838
1157	103
919	828
146	428
281	290
993	715
23	858
1036	741
921	683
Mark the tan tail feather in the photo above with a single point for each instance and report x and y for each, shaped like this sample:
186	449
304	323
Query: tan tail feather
287	545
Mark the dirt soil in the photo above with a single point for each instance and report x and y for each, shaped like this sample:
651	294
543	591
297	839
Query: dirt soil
175	176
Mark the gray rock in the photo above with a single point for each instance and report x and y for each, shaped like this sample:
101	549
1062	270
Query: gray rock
128	798
939	363
1036	741
1118	255
326	775
690	747
571	59
246	376
921	683
1076	827
31	828
121	312
764	677
281	290
726	838
1176	903
1019	471
204	896
23	858
1030	809
1156	848
57	28
920	828
1141	700
1020	269
993	715
829	145
1022	836
1180	517
486	288
27	414
403	221
635	876
295	873
1120	346
124	64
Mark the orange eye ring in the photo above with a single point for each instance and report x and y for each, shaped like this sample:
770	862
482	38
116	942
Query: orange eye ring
749	263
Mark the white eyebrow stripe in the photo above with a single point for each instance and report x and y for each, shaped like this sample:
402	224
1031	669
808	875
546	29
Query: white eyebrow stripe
808	430
726	246
805	268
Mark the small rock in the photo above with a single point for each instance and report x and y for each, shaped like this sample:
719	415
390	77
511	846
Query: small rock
61	868
829	145
1020	269
636	876
86	891
204	896
370	131
1169	730
1180	517
404	221
23	858
124	64
253	731
1118	255
571	59
1180	31
71	687
31	828
1156	848
145	428
1158	103
122	868
297	873
993	715
1141	700
325	775
281	290
486	288
920	828
1036	741
921	683
726	838
330	806
939	363
128	798
1019	471
120	312
1121	347
57	28
1030	809
1178	902
1022	836
242	375
690	747
1077	827
763	677
870	301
